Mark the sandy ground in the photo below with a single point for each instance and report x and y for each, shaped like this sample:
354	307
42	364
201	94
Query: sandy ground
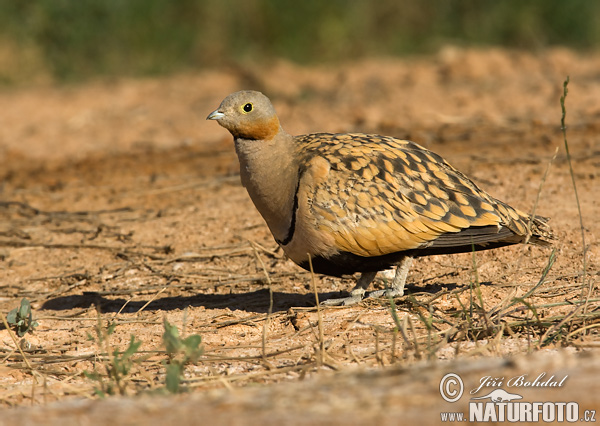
119	201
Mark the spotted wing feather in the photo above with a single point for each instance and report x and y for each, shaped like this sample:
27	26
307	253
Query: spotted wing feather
384	195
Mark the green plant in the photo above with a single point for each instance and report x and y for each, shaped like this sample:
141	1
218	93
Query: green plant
21	318
180	352
74	40
117	365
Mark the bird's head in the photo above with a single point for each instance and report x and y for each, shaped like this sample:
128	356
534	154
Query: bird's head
247	115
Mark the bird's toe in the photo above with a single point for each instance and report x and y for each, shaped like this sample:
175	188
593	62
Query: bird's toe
355	297
388	292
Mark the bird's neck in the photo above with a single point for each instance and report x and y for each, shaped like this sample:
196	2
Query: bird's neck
269	171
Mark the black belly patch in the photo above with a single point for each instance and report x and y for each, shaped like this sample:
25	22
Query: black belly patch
345	263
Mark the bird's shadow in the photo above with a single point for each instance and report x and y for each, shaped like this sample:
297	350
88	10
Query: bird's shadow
256	301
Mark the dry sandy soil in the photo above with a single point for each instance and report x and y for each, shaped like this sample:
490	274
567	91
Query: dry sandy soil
119	203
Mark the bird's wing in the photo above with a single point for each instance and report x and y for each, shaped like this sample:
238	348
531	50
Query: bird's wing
376	195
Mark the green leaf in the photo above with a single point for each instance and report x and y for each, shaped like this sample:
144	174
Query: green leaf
173	378
92	375
192	342
111	328
171	338
25	308
192	348
132	348
12	316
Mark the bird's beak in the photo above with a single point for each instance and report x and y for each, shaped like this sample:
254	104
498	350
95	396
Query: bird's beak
215	115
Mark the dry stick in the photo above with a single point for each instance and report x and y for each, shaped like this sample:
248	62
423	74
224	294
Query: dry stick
320	319
199	381
404	332
226	383
532	290
564	131
377	355
478	291
535	204
583	277
352	354
62	212
414	333
104	345
123	307
400	327
10	353
394	339
126	249
396	329
558	326
565	303
270	311
343	333
249	320
14	338
517	267
266	250
34	372
247	358
582	329
537	198
152	299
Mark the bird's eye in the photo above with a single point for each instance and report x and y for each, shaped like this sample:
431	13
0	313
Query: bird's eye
247	108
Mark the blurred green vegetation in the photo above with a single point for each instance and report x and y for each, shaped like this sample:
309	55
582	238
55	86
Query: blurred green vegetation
77	39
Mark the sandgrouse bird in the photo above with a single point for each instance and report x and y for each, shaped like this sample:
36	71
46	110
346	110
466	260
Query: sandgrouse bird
364	203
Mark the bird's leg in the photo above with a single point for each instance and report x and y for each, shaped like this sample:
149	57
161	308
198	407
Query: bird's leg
358	292
400	278
399	281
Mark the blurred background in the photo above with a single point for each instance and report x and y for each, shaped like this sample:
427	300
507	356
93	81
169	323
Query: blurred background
66	40
114	187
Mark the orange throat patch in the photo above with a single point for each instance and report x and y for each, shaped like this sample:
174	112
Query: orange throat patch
258	130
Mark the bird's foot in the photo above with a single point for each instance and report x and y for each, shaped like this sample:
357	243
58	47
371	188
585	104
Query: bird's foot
355	297
387	293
